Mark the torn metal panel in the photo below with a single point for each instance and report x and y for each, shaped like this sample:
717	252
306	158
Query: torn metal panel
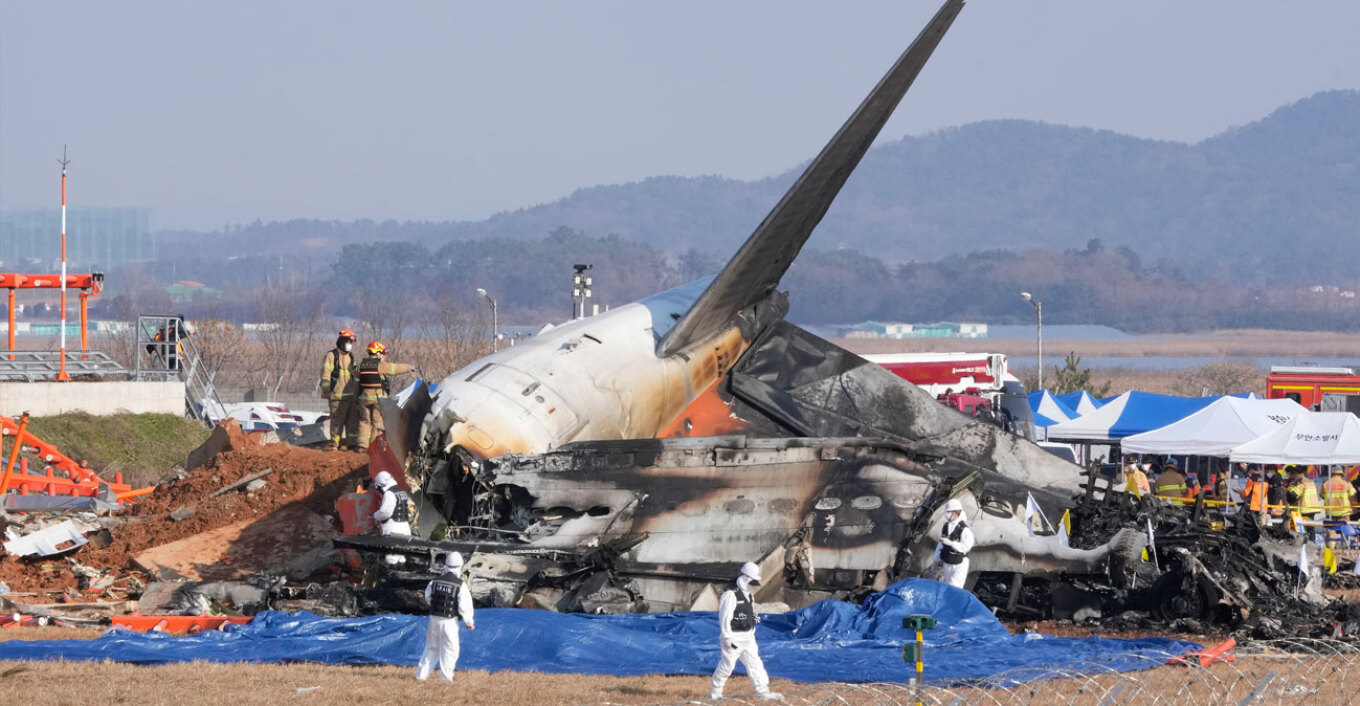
60	538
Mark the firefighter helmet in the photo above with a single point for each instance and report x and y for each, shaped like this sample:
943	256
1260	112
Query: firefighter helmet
347	333
377	348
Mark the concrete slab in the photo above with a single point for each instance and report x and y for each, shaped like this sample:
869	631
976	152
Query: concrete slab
45	399
292	541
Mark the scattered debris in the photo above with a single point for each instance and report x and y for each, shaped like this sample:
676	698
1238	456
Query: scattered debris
58	539
182	514
244	482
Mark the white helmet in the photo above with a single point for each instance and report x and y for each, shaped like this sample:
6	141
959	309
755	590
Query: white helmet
751	571
953	506
453	561
384	480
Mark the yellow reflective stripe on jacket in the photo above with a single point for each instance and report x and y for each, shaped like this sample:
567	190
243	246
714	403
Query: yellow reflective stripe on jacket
1338	497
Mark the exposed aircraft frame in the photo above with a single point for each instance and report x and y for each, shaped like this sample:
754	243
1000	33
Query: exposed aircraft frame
630	461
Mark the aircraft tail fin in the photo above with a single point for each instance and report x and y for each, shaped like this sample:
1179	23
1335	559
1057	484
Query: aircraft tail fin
754	272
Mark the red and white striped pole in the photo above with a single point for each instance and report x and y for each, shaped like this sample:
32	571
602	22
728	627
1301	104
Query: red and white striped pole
61	373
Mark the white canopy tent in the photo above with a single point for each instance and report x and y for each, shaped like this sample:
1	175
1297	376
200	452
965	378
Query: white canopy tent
1226	423
1309	438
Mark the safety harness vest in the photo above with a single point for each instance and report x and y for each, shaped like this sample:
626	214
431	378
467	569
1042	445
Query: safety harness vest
744	616
402	511
948	554
444	596
369	376
1339	494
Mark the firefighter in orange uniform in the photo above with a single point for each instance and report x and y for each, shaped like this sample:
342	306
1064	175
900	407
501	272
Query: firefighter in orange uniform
372	374
336	369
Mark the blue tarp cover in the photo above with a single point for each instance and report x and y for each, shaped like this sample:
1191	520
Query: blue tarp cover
828	641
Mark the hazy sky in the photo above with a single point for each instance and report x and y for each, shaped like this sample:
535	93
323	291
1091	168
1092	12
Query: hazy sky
211	113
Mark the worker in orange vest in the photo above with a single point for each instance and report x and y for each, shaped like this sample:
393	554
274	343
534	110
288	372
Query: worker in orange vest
1254	495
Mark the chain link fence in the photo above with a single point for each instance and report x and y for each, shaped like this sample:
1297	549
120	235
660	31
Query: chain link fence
1296	671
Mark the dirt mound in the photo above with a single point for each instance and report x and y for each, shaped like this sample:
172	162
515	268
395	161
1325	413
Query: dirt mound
300	477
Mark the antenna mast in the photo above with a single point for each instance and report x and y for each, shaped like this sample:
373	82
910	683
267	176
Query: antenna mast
61	373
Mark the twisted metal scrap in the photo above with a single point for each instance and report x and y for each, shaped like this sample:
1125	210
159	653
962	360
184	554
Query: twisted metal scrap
1297	671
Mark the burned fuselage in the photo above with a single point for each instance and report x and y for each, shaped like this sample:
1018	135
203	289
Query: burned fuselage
674	438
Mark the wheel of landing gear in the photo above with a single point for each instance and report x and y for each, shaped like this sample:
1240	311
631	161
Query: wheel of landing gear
1178	595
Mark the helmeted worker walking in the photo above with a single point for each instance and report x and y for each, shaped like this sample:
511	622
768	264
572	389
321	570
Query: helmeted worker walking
450	601
336	369
394	512
956	540
737	636
372	374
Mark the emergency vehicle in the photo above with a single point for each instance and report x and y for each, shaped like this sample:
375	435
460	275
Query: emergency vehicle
1306	384
977	384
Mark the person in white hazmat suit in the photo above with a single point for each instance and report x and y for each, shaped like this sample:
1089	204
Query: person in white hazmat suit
956	540
449	600
394	513
737	636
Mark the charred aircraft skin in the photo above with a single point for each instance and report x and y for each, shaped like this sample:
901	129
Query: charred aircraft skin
676	437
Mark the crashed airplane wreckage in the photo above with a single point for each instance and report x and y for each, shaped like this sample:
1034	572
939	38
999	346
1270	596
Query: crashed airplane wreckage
632	460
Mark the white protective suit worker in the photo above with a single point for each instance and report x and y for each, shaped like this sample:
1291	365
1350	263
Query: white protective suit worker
737	636
956	540
449	600
394	513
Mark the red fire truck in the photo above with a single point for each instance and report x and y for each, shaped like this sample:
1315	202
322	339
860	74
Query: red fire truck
1307	385
977	384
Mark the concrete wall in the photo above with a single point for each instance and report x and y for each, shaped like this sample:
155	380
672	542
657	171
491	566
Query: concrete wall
44	399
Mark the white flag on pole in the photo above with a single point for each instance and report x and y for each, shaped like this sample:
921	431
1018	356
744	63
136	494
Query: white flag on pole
1031	509
1303	559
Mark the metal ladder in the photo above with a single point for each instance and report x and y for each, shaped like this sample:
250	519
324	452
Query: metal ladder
165	351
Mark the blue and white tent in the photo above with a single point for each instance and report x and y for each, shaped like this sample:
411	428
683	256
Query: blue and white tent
1218	428
1048	410
1081	402
1131	413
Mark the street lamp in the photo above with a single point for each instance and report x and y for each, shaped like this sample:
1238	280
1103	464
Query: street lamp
1039	311
495	325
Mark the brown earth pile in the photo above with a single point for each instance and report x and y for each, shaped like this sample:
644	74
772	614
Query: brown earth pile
311	478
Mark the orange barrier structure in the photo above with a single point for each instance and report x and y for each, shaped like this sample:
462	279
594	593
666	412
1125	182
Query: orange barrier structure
177	623
89	285
80	481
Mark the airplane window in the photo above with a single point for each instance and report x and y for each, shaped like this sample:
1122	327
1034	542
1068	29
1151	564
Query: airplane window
867	502
828	504
740	506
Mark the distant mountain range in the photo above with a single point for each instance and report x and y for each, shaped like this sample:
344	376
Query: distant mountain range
1278	197
1275	200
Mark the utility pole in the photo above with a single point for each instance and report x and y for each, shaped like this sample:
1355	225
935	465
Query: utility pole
61	372
1039	312
495	324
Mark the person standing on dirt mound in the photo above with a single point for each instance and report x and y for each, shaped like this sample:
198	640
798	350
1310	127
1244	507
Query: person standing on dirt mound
737	636
394	512
336	368
450	601
372	374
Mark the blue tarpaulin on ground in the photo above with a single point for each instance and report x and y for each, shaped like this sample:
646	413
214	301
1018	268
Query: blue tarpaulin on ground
828	641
